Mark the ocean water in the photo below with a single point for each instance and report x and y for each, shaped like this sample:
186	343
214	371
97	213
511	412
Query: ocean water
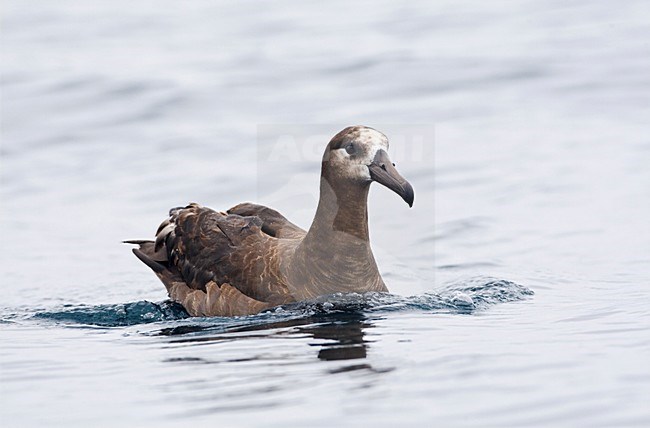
520	280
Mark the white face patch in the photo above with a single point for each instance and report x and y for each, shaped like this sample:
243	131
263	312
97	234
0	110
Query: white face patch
367	142
347	167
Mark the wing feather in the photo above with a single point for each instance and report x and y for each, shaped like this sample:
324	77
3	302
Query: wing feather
273	223
209	246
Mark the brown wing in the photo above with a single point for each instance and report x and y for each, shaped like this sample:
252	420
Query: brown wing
273	223
205	245
216	300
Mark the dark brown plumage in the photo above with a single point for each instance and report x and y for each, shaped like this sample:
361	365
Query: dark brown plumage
252	258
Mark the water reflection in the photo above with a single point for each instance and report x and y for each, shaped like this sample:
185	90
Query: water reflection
346	336
340	336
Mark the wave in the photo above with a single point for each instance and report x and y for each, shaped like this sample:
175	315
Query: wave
460	297
119	315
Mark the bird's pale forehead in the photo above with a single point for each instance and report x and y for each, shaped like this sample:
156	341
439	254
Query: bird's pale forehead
371	137
364	136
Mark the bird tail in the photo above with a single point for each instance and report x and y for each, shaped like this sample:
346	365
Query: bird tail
156	260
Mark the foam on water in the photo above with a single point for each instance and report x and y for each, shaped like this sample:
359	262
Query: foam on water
462	297
134	313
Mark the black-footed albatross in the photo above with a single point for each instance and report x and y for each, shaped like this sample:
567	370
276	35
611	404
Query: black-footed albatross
251	258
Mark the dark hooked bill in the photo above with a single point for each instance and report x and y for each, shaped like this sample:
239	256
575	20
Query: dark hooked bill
383	172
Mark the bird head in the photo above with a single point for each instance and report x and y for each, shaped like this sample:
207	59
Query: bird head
359	154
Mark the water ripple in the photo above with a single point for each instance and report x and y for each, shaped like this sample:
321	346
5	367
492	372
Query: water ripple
126	314
461	297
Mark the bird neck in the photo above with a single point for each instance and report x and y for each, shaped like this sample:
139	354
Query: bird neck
342	213
335	255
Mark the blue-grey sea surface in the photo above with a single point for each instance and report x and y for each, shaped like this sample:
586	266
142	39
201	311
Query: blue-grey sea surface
520	279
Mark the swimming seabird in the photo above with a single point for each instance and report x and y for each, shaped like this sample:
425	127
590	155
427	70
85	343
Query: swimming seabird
252	258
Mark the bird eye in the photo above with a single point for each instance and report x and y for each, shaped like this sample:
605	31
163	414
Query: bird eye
350	148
